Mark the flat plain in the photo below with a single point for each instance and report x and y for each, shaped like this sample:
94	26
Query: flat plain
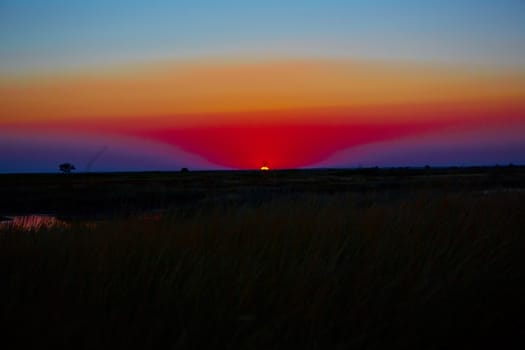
359	258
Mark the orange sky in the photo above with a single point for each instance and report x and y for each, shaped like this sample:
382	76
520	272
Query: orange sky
287	113
189	94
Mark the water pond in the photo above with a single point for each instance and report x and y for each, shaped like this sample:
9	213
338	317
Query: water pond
30	222
35	222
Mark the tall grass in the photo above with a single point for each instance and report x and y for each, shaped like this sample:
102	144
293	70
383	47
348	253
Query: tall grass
314	271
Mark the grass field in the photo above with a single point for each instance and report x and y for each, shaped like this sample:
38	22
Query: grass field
311	260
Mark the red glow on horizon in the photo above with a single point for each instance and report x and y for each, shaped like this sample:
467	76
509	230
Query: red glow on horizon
282	140
283	146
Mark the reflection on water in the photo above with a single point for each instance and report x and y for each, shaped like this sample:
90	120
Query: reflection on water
31	222
35	222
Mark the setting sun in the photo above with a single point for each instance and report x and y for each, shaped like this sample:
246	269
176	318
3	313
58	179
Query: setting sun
264	168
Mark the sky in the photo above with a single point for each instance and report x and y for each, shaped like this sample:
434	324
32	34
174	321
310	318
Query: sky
159	85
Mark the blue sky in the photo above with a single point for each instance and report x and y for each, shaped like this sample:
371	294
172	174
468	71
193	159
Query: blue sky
42	41
46	34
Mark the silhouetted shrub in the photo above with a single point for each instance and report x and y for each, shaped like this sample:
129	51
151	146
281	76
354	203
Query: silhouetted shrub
66	168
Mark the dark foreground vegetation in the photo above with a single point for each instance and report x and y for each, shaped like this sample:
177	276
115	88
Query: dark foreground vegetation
436	264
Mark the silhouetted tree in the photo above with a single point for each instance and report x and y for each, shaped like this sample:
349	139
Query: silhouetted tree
184	170
66	168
